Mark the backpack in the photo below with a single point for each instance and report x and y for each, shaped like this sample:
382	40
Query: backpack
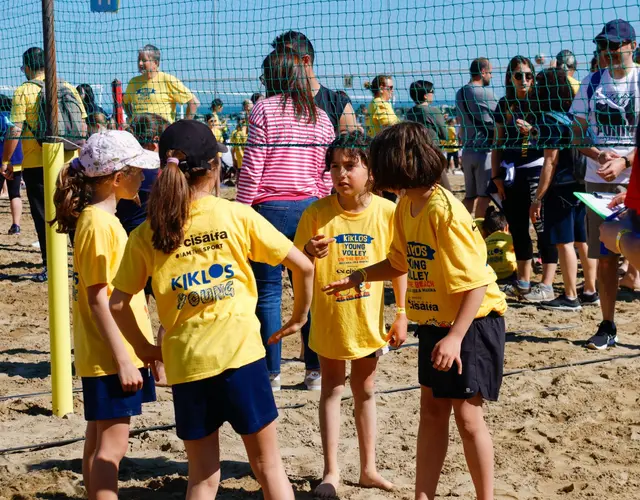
555	130
70	121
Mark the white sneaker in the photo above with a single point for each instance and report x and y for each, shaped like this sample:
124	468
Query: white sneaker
313	380
276	385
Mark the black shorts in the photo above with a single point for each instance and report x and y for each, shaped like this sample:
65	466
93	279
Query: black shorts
565	217
13	185
482	355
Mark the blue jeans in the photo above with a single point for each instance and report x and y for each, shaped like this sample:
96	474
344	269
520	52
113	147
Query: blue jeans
284	215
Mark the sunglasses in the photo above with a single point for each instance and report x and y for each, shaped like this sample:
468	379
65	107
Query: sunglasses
390	87
607	45
520	75
262	80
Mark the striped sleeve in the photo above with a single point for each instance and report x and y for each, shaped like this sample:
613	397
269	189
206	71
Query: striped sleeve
254	158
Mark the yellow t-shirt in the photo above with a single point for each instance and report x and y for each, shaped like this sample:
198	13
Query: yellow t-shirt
575	84
217	130
239	136
444	254
451	145
500	254
98	248
25	108
205	290
349	324
158	95
380	115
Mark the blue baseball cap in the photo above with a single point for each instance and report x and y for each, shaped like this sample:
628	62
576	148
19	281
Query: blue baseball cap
618	31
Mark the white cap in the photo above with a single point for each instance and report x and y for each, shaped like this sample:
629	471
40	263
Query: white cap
112	150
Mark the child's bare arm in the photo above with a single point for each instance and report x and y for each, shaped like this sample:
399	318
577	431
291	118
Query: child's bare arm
398	332
378	272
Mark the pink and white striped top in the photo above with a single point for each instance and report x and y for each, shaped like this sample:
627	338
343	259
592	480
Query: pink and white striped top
278	164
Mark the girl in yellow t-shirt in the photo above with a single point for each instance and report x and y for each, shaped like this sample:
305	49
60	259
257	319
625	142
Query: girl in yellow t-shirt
451	293
115	381
196	248
349	229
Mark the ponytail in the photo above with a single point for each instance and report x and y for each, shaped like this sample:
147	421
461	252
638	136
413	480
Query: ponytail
169	206
74	191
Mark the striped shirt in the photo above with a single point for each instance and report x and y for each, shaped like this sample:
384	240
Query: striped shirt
278	164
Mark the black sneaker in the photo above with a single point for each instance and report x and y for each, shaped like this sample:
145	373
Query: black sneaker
589	299
41	277
14	229
606	336
561	303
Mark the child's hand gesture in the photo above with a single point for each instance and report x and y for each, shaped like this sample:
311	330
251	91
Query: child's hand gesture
446	352
352	281
292	326
398	332
318	246
130	377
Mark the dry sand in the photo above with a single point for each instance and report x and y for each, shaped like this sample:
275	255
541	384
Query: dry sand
570	433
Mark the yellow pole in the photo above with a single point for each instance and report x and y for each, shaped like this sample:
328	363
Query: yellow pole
59	326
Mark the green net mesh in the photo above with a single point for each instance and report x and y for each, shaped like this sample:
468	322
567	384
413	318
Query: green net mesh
382	55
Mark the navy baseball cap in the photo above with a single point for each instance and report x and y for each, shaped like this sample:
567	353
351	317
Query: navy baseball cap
194	139
617	31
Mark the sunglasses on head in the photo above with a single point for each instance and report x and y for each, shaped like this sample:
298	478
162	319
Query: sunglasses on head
520	75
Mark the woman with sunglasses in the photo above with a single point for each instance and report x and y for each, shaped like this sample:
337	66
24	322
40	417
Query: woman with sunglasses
516	171
380	111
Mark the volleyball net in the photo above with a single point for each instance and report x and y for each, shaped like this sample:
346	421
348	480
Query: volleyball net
214	52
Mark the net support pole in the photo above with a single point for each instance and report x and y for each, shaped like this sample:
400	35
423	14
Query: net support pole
58	283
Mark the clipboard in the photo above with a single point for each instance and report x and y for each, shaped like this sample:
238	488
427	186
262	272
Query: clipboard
598	203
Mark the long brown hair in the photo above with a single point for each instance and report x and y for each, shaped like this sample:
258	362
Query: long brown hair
284	74
74	191
170	200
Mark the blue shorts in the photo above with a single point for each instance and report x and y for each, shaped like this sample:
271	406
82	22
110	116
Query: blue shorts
565	215
241	396
104	398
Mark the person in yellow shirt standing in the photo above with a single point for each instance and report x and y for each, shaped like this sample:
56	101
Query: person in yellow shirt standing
196	248
238	140
567	61
115	381
380	113
349	229
451	293
452	145
24	117
219	127
500	253
156	92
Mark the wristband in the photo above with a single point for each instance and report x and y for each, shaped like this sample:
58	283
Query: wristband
304	249
401	310
619	237
363	273
5	163
627	163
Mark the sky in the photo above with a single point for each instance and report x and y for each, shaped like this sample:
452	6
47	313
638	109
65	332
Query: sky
216	47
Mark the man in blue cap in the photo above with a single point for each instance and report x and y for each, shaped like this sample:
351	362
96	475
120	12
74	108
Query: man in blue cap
608	105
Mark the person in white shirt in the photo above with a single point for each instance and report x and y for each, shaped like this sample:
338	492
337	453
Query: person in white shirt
607	108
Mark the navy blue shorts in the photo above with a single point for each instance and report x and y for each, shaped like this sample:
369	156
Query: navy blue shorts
241	396
565	217
482	355
104	398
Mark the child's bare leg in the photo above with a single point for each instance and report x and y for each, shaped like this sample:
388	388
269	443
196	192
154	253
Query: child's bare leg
204	467
477	444
363	377
433	440
88	454
333	380
111	445
266	463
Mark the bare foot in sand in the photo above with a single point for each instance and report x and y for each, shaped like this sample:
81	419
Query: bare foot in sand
375	480
328	488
